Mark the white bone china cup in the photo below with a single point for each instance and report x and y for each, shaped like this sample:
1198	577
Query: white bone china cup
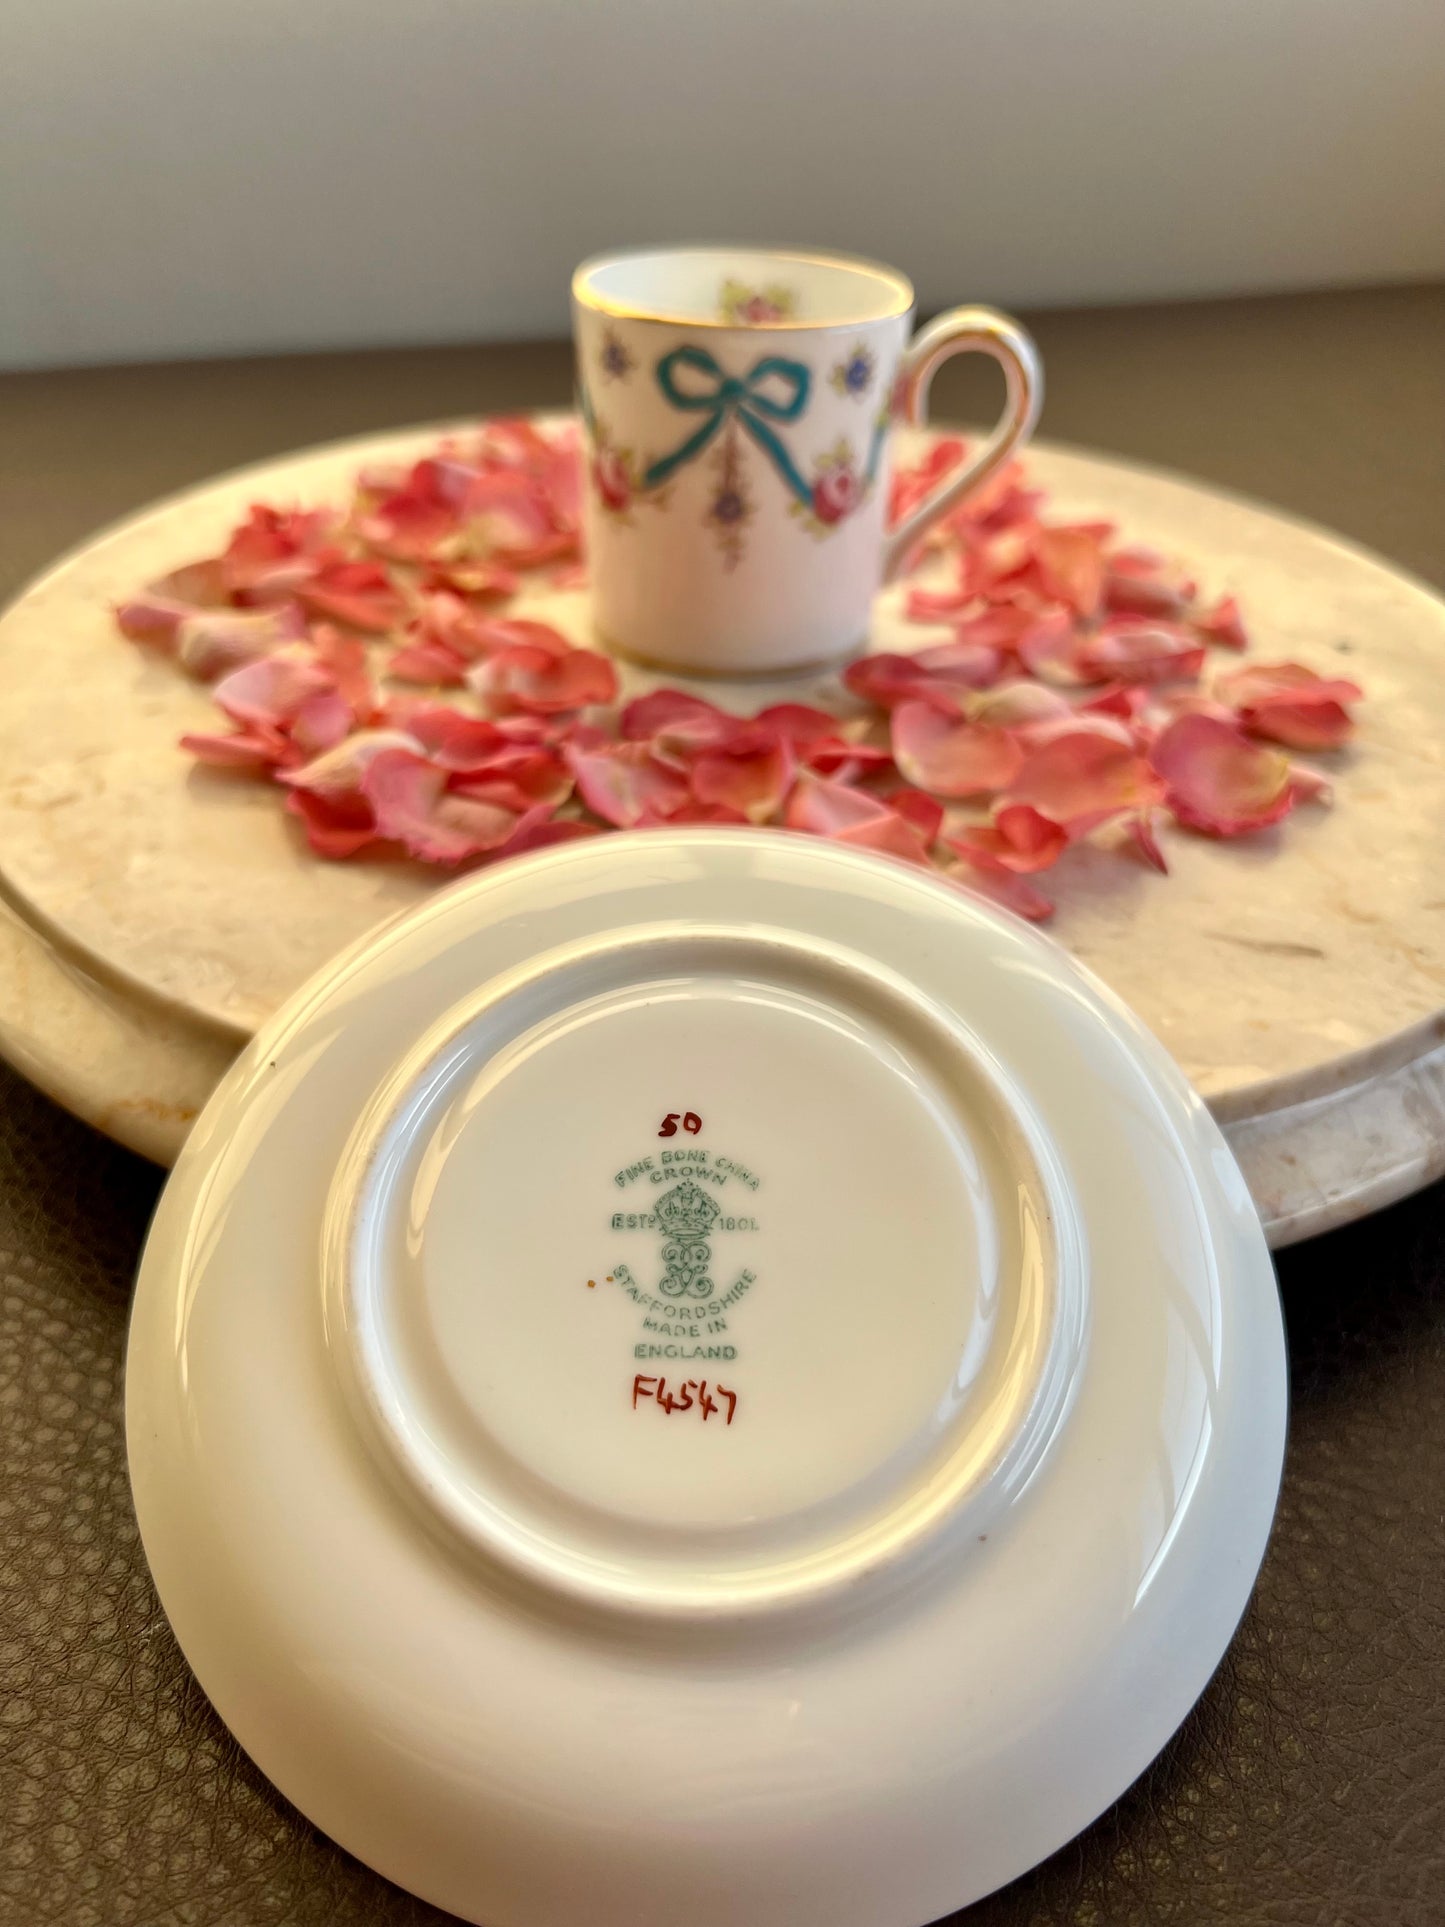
737	407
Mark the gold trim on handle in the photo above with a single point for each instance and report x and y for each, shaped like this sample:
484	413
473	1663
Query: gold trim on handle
963	331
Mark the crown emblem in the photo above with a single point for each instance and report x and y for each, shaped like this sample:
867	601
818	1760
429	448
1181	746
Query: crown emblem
686	1211
684	1217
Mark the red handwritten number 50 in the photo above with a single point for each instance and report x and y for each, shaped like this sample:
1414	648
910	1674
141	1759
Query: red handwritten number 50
691	1123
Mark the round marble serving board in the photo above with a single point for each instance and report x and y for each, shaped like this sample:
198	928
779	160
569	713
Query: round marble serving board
158	911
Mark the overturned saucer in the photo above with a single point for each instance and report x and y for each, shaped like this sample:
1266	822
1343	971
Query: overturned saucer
704	1375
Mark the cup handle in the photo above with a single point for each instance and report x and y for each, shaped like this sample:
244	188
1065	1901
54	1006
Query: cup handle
958	332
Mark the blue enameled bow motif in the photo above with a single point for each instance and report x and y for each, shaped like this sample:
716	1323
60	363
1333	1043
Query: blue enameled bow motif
773	390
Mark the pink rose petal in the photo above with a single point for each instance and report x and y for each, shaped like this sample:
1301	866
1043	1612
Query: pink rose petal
950	755
941	674
327	793
1020	839
413	807
1290	704
413	522
694	811
547	464
261	559
519	777
1218	781
887	835
322	721
845	759
155	616
253	748
1019	706
1034	841
1069	567
1001	627
271	690
343	658
430	663
212	642
450	738
494	633
534	679
1083	776
924	812
518	548
884	679
1133	559
449	621
1126	701
567	732
676	724
446	477
336	826
338	772
538	831
200	585
1223	624
999	566
1309	786
965	662
623	782
1137	651
1082	721
1049	649
751	774
1141	835
1004	503
477	581
153	619
1142	591
358	594
912	485
509	516
380	478
935	605
1003	887
823	808
795	723
1169	703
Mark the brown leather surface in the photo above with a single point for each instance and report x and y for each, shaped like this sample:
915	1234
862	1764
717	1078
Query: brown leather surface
1308	1788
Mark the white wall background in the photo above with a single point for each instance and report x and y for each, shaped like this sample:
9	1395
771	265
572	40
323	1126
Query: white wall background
213	176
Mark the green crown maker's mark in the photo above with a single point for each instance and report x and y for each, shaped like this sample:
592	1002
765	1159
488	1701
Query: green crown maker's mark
685	1216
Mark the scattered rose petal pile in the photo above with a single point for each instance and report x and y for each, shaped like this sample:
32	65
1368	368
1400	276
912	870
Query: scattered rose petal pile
365	662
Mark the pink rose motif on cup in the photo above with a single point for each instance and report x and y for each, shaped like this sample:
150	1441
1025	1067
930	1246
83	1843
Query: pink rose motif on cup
611	479
836	493
747	307
839	487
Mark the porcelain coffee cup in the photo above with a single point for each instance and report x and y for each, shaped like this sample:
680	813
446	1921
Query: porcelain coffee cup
737	407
